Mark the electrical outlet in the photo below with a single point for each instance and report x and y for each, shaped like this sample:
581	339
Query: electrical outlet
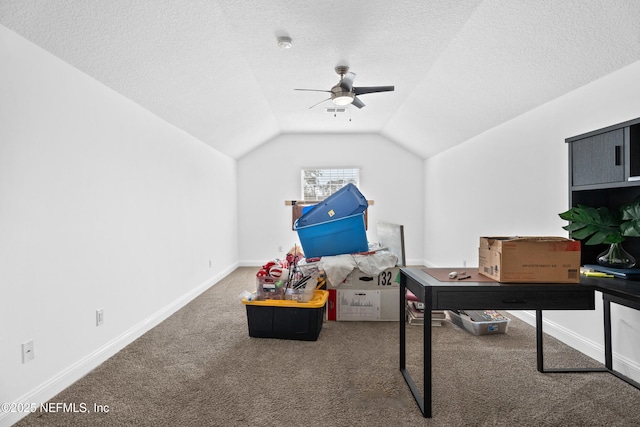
27	351
99	316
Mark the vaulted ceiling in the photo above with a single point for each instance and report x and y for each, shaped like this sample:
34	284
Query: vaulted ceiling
214	68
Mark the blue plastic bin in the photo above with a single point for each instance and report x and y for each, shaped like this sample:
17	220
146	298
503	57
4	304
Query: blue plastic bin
306	209
343	203
335	237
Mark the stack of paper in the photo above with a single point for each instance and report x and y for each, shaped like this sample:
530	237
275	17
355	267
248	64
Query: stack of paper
415	314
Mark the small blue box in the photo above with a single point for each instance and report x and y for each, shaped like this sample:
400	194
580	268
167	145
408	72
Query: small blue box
335	237
345	202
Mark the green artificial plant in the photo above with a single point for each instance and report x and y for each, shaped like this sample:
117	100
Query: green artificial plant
600	225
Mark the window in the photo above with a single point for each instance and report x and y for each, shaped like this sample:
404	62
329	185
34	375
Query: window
318	184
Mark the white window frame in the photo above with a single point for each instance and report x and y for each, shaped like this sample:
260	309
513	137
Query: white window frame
328	180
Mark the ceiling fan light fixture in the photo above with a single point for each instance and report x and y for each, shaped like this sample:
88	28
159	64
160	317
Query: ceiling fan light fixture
340	96
285	42
343	100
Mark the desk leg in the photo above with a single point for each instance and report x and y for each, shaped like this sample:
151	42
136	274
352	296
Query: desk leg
540	352
539	349
403	324
608	356
424	403
428	362
608	348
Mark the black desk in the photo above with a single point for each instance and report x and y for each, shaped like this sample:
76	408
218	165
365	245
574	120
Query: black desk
481	296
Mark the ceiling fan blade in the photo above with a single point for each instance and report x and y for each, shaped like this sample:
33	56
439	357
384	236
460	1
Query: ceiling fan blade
347	81
372	89
318	103
314	90
357	102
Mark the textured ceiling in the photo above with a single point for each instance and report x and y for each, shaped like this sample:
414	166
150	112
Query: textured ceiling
213	68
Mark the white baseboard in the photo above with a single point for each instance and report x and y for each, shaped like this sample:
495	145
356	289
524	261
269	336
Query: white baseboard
257	264
591	348
71	374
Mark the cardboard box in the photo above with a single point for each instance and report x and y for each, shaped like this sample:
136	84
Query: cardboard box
532	259
367	305
365	297
359	280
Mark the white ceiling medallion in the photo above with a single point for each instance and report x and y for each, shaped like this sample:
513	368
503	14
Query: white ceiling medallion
285	42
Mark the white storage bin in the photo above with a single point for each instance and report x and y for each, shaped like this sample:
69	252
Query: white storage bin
498	325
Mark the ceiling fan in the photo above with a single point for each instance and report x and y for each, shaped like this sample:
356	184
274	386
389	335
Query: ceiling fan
344	93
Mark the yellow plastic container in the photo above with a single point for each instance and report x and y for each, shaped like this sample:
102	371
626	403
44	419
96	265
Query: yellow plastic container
318	301
287	319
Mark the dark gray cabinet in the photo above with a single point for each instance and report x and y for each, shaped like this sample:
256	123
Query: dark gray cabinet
598	159
604	170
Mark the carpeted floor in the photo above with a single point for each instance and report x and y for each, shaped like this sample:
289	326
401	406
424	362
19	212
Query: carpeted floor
200	368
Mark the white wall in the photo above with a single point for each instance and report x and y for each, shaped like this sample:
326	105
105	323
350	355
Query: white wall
389	175
102	205
513	180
